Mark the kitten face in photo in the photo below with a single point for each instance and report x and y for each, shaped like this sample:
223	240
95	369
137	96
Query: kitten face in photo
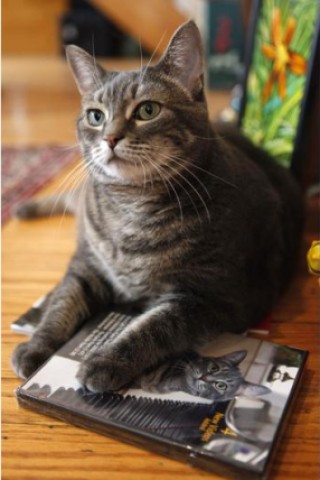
218	379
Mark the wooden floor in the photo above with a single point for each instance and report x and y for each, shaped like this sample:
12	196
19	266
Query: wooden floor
39	106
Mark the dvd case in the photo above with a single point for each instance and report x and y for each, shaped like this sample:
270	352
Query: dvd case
221	408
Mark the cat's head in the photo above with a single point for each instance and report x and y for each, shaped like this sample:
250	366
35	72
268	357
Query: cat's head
219	379
140	125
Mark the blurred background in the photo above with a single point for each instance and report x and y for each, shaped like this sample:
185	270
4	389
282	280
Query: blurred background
38	27
124	28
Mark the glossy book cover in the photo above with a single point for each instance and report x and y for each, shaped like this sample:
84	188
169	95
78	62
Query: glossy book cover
220	408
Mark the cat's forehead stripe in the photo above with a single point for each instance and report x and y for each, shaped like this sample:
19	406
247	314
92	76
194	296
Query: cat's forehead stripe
123	87
119	89
98	96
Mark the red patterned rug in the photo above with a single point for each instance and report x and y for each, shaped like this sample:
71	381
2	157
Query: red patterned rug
26	170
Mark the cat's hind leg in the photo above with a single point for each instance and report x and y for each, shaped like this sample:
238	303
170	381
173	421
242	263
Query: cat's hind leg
56	204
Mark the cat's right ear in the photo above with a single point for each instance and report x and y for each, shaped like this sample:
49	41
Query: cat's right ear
184	59
87	73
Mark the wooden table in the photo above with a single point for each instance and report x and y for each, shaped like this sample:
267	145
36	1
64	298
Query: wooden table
40	103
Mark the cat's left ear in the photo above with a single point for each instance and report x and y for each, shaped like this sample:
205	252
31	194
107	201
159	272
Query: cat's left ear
183	59
235	357
87	73
252	389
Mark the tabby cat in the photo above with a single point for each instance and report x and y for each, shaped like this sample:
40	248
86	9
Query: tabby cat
196	227
217	379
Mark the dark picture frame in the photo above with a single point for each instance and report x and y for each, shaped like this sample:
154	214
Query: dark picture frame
265	92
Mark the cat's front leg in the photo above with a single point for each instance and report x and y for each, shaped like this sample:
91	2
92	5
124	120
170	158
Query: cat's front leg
78	296
163	331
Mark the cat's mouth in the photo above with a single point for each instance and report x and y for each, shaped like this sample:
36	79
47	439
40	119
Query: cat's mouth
116	159
120	167
121	161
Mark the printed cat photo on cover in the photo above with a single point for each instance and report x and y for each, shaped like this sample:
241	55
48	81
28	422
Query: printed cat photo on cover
217	379
192	224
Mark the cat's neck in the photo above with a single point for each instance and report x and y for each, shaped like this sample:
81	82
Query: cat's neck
123	196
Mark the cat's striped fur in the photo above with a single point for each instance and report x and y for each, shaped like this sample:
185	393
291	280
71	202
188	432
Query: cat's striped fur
197	227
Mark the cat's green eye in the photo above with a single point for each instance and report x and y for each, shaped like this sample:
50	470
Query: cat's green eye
212	368
147	111
95	117
220	386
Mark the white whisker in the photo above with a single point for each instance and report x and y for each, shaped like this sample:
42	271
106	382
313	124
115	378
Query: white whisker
96	78
62	148
185	168
80	178
194	189
193	165
66	182
141	69
165	179
151	58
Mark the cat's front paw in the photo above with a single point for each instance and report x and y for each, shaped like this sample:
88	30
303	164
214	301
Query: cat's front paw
100	373
28	357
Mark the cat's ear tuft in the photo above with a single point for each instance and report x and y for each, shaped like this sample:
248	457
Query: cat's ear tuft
252	390
87	73
235	357
183	59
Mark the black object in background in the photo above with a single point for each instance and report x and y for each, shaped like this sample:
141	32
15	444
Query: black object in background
87	27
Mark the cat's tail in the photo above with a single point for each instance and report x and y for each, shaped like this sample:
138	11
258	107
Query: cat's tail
56	204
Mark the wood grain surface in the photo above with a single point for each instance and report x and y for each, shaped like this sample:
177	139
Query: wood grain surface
39	109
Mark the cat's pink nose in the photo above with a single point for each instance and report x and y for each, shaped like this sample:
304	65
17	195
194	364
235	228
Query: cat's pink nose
112	141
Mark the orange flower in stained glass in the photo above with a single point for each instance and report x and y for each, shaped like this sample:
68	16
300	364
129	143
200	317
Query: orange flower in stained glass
282	57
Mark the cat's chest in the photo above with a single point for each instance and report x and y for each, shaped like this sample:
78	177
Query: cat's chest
132	276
